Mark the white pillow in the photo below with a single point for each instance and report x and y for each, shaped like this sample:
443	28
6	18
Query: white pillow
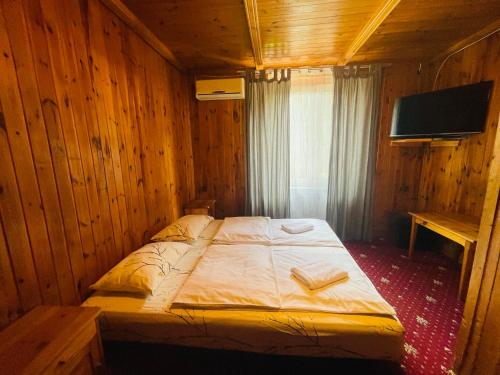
187	228
144	269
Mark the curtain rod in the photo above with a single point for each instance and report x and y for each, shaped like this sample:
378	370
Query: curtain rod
297	69
241	72
362	66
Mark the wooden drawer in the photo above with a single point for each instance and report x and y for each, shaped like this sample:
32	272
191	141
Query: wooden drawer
200	207
80	354
197	211
84	367
53	340
73	353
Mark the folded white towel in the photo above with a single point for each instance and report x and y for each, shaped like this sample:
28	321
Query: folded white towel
296	228
317	275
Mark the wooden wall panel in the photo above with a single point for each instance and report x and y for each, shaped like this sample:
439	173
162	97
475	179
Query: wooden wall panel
219	151
444	179
95	148
41	153
454	179
9	297
397	170
477	350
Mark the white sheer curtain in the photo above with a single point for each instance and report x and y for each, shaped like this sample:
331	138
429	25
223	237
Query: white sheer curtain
311	102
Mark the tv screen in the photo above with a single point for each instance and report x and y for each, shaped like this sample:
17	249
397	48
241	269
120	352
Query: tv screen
444	113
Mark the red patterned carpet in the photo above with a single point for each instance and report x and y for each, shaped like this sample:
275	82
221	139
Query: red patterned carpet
424	294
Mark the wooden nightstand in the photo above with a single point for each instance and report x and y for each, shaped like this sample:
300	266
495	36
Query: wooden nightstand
53	340
200	207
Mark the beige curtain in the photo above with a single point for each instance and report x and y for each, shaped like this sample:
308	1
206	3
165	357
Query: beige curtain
355	110
268	142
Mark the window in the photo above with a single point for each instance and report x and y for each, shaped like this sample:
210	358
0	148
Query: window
311	111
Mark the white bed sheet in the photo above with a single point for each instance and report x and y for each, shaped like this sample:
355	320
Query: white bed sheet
265	231
256	276
254	230
321	235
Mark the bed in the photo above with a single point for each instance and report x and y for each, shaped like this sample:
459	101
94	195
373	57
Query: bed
187	309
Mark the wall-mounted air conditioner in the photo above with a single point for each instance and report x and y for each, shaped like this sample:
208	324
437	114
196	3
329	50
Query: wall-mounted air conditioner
220	89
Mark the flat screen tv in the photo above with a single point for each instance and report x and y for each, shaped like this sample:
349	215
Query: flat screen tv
445	113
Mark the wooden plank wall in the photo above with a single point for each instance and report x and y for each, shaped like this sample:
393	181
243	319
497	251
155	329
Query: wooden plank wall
397	170
454	178
95	148
443	179
219	151
478	348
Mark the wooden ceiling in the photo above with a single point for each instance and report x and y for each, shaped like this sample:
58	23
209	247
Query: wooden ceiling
204	34
200	33
423	29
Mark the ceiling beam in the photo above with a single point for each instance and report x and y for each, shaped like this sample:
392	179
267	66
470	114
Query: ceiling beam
481	34
131	20
369	28
254	29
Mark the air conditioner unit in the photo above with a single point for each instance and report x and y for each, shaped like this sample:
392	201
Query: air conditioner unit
220	89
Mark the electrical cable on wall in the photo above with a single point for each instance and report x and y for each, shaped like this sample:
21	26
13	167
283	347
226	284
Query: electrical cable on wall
460	50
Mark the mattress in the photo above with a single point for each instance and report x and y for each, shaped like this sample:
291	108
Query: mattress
153	319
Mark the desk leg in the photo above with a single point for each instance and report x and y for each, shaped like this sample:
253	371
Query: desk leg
469	250
413	236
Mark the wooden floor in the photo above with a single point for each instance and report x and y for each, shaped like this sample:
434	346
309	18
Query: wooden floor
133	358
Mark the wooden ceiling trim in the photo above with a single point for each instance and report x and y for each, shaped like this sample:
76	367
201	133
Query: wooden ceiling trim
305	62
483	33
254	29
126	15
369	28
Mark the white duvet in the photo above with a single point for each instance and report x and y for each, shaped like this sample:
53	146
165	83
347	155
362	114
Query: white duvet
260	230
256	276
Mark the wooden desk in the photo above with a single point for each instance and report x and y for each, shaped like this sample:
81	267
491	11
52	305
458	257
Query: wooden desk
460	229
53	340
